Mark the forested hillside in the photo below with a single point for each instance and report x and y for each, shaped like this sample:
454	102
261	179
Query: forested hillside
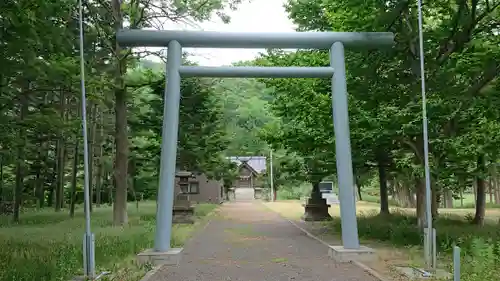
247	110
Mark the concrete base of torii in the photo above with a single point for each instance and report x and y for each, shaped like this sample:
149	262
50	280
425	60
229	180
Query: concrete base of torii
170	257
341	254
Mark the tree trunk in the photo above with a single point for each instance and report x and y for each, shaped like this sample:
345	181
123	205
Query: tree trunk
91	141
100	165
131	170
411	196
60	159
53	182
1	179
497	198
358	189
121	138
494	176
39	187
50	197
99	181
448	199
490	188
59	192
73	180
111	184
384	195
421	216
435	199
394	189
40	176
121	174
474	189
403	194
21	161
461	197
18	191
481	192
496	191
37	169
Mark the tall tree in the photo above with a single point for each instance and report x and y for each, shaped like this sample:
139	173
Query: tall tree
140	14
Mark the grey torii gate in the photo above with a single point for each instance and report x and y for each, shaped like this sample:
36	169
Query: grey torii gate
175	40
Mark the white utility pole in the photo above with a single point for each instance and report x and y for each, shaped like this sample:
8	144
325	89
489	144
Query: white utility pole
88	238
428	241
271	174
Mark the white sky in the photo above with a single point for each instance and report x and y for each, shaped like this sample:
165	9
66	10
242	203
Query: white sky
256	16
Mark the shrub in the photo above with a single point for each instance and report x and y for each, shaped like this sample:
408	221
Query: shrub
472	205
376	199
294	192
480	246
481	262
400	229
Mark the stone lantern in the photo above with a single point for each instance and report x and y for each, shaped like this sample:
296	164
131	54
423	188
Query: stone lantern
183	211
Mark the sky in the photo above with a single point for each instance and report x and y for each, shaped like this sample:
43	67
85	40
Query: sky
256	16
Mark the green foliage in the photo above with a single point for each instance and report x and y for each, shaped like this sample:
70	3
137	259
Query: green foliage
385	110
41	119
480	248
47	246
481	262
41	154
41	99
201	132
384	92
288	171
293	192
245	105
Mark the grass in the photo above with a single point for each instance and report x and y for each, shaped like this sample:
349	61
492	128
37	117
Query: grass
492	214
468	200
480	245
279	260
47	246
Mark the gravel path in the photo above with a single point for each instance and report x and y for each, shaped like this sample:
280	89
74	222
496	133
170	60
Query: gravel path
247	242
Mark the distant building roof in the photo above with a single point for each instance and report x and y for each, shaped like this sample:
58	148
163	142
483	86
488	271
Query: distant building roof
258	163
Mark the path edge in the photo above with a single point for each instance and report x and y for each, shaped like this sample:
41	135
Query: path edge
209	217
361	265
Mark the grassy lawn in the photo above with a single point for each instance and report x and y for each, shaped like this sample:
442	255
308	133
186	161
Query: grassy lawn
398	241
48	246
468	200
293	209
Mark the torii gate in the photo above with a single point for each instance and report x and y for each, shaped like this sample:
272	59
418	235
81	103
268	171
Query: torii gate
175	40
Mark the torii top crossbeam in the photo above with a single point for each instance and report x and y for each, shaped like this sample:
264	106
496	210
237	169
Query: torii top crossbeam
282	40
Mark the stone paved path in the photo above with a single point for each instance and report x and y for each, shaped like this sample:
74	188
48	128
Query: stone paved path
247	242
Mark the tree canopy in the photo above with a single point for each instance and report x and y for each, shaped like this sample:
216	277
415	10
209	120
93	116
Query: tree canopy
41	103
462	55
